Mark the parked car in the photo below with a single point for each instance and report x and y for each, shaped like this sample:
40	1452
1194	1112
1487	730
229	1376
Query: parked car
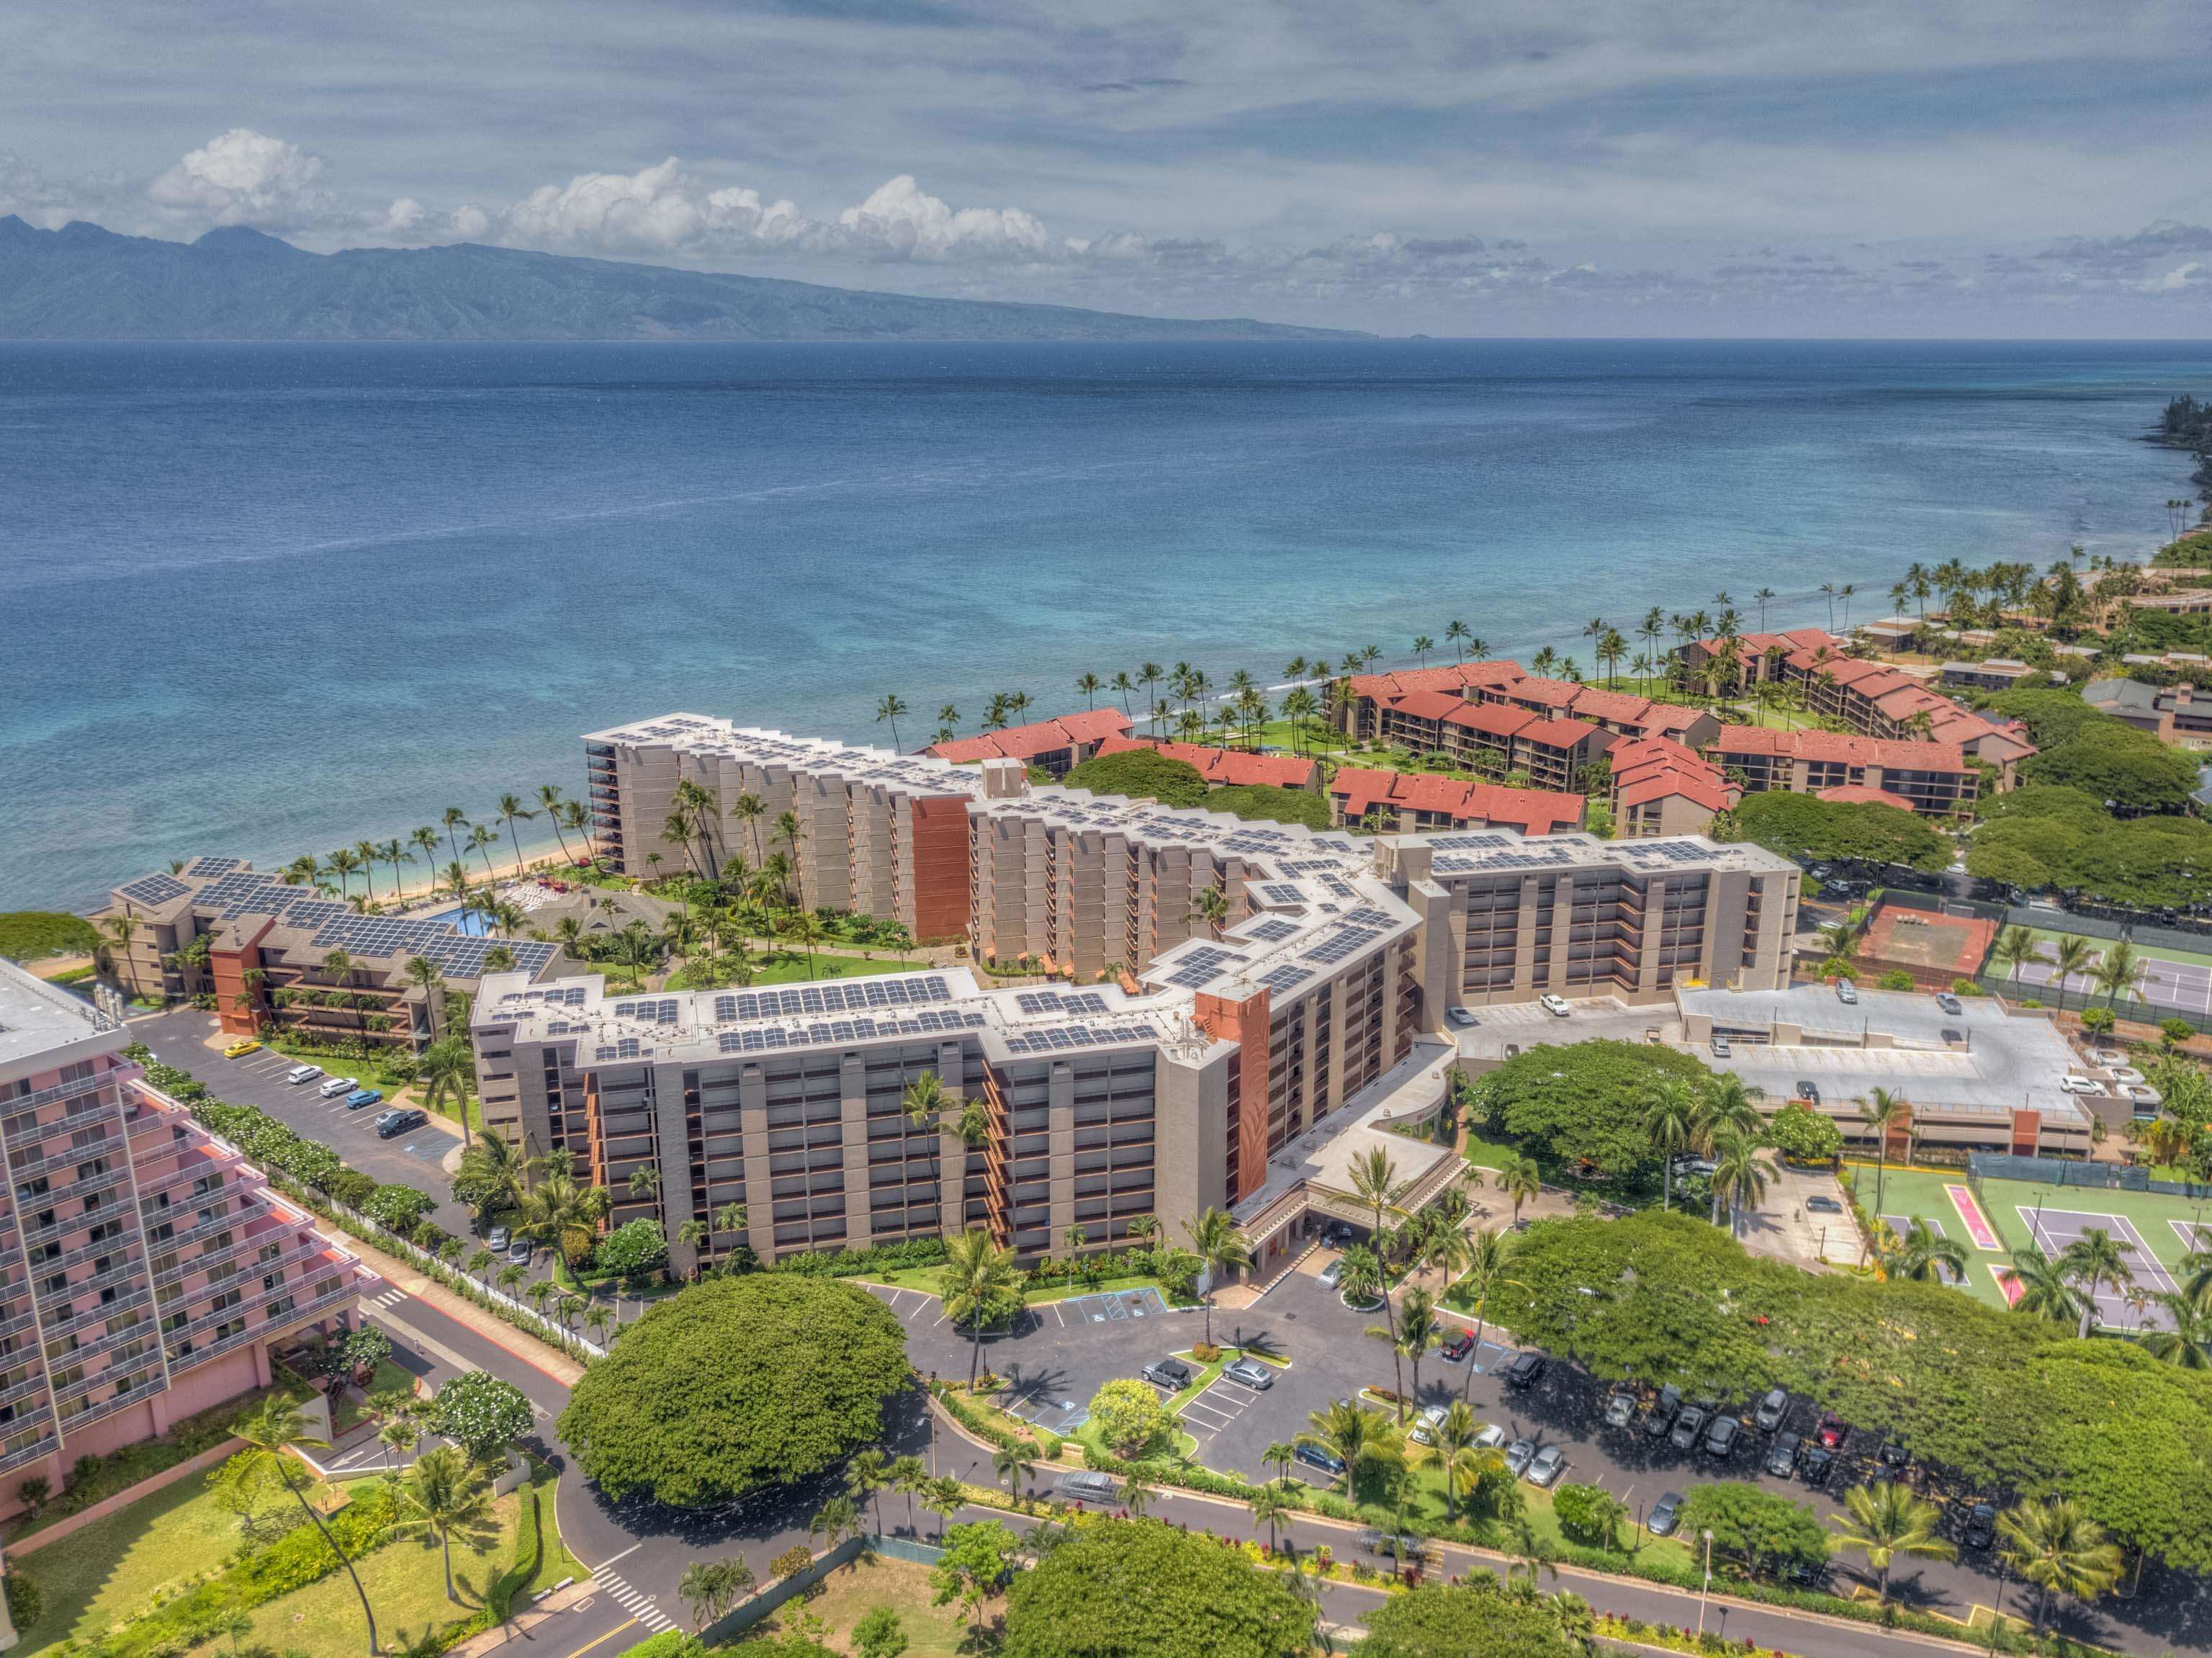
1847	993
1893	1456
1619	1410
517	1252
1820	1204
1461	1017
1458	1348
1953	1037
239	1049
1782	1456
1981	1527
404	1120
498	1239
1491	1437
1544	1470
1525	1369
2080	1085
1815	1465
1662	1412
1950	1003
1425	1425
1314	1456
1249	1372
1664	1513
1832	1432
1087	1487
1170	1375
360	1097
1804	1572
1808	1091
1721	1049
1771	1409
1721	1437
337	1085
299	1074
1338	1235
1395	1546
1687	1427
1332	1275
1518	1455
1557	1006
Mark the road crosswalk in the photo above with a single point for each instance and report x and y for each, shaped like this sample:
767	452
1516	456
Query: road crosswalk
640	1606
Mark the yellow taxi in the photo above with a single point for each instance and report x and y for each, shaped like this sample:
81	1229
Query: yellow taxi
236	1050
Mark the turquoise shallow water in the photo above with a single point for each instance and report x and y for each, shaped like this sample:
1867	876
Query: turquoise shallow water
260	599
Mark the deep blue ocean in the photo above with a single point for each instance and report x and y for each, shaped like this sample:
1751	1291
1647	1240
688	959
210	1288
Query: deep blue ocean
258	600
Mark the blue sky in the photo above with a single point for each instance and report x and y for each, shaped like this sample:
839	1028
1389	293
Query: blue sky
1495	167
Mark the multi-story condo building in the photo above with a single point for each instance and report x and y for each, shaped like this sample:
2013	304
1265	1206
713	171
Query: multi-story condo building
146	1271
1188	1057
1413	800
1054	746
1933	778
1661	788
278	953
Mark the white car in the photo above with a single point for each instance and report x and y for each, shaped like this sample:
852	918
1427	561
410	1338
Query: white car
1461	1017
2080	1085
1557	1006
299	1074
1491	1437
1545	1467
337	1085
1425	1428
1333	1274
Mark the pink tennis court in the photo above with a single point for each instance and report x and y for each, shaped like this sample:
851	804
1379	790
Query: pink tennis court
2053	1229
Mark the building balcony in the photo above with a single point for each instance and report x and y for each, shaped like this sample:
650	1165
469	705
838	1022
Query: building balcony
46	1445
138	1365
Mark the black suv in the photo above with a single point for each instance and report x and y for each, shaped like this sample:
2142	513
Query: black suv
1663	1410
1525	1369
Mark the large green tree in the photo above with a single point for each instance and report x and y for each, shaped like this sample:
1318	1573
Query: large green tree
1440	1621
1754	1526
1585	1103
1141	773
735	1384
1122	1588
1811	829
2109	759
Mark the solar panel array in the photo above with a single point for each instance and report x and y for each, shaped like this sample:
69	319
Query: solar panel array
907	991
153	889
1470	843
663	1012
1340	942
1201	965
1061	1037
1053	1001
1287	977
1273	931
842	1031
1282	891
209	867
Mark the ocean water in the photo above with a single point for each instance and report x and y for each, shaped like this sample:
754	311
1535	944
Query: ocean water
260	600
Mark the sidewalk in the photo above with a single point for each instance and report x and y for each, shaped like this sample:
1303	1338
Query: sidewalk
413	1281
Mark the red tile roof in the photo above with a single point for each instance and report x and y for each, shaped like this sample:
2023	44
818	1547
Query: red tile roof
1427	705
1451	676
1616	705
1473	805
1556	734
1543	693
1667	716
1846	748
1224	767
1653	768
1858	794
1024	742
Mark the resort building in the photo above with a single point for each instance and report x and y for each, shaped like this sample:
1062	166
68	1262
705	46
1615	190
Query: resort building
1409	802
1661	788
1995	673
279	954
1227	768
1492	717
1360	704
1195	1044
146	1271
2170	713
1750	659
1500	738
1933	778
1057	745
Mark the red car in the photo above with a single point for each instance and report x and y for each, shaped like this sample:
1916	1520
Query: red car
1459	1346
1833	1430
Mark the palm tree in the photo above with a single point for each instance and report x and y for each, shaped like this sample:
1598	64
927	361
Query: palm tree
454	820
889	708
425	841
118	931
1014	1463
342	863
2017	947
1278	1455
1215	1240
907	1475
482	839
1882	1521
565	1215
1487	1255
866	1473
510	1279
446	1498
1211	905
2188	1343
980	1284
1269	1503
2044	1292
1519	1178
692	1234
269	1429
1361	1437
944	1497
446	1071
834	1521
1739	1175
2094	1261
1670	1117
2056	1546
2117	974
2070	959
494	1167
711	1587
1422	646
1419	1330
1922	1255
511	810
1882	1111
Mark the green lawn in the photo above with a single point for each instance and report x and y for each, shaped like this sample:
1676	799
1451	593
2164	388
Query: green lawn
792	969
1484	1152
851	1593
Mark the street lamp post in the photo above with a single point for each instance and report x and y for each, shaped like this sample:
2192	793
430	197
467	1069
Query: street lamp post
1705	1589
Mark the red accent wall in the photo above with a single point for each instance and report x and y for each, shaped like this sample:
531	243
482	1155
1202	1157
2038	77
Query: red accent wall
1244	1023
228	969
2027	1133
940	869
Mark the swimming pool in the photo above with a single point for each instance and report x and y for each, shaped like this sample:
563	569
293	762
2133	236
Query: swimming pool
475	922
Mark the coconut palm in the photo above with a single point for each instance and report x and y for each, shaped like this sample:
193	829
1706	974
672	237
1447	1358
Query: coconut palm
482	839
1211	905
2059	1549
564	1215
1519	1178
1670	1117
446	1071
889	708
867	1472
497	1170
445	1496
1740	1176
2016	947
2188	1343
2096	1260
1269	1503
2119	973
1215	1240
116	932
1487	1256
1411	1332
1882	1111
269	1429
2070	959
925	1099
1882	1521
711	1587
1363	1438
424	973
981	1286
1922	1255
2044	1292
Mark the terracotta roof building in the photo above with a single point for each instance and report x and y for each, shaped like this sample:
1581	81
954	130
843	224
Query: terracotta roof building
1882	701
1756	658
1056	746
1410	801
1226	768
1661	788
1359	714
1933	778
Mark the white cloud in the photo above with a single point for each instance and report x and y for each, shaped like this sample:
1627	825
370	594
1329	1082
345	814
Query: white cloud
648	208
470	224
906	222
246	177
404	215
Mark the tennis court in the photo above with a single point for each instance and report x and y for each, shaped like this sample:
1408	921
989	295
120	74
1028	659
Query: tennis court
1900	1224
2165	982
2054	1229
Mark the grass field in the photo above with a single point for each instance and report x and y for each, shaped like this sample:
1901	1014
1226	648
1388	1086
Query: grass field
851	1593
796	969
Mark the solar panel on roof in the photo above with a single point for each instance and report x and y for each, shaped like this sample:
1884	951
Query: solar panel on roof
1285	977
1273	930
153	889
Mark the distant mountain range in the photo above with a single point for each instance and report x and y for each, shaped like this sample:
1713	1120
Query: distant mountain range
84	282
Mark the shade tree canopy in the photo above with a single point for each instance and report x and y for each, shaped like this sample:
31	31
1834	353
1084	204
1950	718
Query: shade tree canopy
737	1384
1585	1103
1116	1588
1810	829
1141	773
1474	1621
